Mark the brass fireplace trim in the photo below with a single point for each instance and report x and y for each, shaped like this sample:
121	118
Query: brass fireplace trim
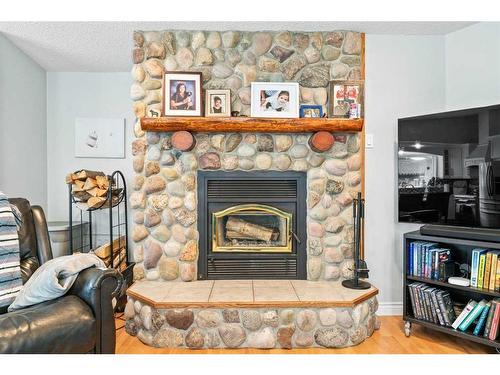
261	210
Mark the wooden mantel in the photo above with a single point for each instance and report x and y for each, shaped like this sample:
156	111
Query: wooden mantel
250	124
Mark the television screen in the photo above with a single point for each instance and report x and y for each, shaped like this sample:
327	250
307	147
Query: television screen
449	168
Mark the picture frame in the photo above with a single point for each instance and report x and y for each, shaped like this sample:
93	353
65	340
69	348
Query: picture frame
311	111
346	99
217	103
182	94
100	138
274	99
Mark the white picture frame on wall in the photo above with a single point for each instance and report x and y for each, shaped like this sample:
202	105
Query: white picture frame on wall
100	138
274	99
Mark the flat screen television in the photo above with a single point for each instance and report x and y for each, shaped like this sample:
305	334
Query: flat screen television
449	168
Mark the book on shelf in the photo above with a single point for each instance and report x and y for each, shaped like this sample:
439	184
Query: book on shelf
474	273
482	320
480	270
497	282
489	320
493	271
493	334
450	315
465	312
471	317
487	270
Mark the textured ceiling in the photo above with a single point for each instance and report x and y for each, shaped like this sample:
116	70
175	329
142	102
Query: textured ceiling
106	46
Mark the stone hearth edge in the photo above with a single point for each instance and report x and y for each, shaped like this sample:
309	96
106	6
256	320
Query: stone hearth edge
263	328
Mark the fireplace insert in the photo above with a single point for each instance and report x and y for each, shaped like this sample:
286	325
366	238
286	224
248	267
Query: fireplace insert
252	225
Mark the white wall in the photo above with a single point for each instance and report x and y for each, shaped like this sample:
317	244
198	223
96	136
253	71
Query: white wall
404	76
72	95
23	130
473	66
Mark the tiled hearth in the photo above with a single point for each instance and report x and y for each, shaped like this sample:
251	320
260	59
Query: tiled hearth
250	313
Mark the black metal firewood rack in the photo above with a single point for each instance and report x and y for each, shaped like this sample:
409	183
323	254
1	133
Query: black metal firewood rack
116	207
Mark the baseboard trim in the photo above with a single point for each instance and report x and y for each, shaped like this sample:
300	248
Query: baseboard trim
390	308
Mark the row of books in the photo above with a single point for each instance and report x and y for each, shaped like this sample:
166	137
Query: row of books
486	314
485	269
431	304
435	305
427	259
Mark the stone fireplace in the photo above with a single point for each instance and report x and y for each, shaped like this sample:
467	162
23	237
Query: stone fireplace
252	225
166	187
213	224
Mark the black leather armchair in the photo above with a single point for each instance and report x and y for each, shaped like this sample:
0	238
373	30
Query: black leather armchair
82	321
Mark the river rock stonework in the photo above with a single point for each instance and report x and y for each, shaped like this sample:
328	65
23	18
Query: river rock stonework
166	203
288	328
164	200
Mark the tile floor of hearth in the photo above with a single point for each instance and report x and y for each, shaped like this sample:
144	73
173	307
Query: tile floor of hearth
247	293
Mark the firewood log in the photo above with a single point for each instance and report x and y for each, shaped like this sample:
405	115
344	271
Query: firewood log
102	182
96	192
246	228
104	251
85	173
231	235
90	183
77	186
81	196
94	202
117	258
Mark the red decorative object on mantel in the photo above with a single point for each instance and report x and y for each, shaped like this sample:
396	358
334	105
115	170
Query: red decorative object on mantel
183	141
321	141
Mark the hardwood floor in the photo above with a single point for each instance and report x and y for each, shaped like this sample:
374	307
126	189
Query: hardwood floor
390	339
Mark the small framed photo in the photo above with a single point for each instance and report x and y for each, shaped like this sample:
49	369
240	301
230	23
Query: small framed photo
218	103
311	110
182	94
346	99
275	99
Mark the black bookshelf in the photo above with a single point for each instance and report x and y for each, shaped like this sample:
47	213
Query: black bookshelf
461	251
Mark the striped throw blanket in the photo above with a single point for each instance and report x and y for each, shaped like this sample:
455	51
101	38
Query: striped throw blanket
10	271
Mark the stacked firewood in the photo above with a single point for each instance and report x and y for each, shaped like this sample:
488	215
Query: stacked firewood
90	189
113	255
239	229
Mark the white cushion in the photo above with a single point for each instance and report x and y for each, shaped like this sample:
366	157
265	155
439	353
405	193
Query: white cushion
53	279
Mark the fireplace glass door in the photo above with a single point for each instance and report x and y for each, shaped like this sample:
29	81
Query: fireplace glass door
251	228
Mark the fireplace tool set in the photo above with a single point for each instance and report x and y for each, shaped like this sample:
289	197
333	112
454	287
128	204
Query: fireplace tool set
360	269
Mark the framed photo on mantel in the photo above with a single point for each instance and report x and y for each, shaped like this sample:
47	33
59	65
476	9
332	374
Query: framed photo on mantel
346	99
218	103
275	99
182	94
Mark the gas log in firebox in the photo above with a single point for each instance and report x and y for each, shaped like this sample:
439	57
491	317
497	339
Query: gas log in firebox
252	225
